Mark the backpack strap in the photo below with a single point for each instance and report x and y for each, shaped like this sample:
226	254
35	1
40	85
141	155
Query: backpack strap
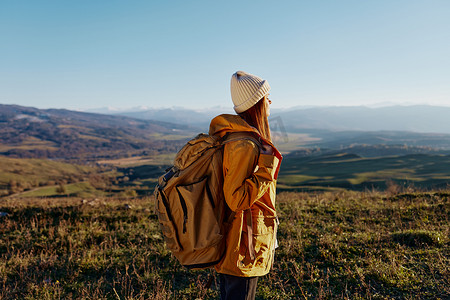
242	135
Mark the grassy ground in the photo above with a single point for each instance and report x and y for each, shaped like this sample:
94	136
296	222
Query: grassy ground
333	245
79	188
38	169
353	172
30	174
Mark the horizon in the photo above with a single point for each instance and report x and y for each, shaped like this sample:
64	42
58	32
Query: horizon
230	108
84	55
225	109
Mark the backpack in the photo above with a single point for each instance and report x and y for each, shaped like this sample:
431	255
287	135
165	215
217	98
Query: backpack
190	204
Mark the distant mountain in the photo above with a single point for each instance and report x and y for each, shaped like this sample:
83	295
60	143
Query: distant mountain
72	135
178	115
415	118
115	110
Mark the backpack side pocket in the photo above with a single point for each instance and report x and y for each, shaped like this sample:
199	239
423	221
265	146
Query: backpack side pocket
166	222
202	225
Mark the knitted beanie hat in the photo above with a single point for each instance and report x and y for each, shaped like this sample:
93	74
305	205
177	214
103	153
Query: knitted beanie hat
247	90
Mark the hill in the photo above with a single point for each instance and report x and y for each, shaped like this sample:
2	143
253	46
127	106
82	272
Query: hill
70	135
340	170
363	143
343	139
21	175
365	150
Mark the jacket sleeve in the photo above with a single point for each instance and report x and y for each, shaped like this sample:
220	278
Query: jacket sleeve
247	174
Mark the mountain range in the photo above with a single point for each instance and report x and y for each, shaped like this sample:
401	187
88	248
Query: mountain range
72	135
415	118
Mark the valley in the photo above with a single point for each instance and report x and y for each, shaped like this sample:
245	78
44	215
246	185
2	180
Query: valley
53	153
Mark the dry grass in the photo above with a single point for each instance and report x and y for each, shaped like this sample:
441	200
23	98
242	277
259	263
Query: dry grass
128	161
334	245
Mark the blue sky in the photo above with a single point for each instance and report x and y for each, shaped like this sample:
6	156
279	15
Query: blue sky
92	53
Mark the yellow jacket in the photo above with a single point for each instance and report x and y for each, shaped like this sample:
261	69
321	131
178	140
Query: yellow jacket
249	188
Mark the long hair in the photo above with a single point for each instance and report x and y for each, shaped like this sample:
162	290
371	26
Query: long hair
256	116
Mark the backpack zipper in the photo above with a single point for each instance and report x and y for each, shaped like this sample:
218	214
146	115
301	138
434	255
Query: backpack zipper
184	207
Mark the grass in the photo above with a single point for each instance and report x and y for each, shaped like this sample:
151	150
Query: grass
30	143
78	189
333	245
136	161
311	173
38	170
348	171
48	178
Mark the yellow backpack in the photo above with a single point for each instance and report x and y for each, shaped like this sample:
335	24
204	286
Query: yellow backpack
190	205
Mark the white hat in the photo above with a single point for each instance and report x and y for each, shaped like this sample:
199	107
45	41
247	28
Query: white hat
247	90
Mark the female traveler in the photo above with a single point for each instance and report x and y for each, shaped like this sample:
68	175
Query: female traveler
250	172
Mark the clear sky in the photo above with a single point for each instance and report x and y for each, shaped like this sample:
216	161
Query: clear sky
92	53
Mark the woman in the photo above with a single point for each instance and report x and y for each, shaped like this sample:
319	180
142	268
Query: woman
250	175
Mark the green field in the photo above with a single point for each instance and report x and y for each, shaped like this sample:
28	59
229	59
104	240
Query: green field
38	169
326	172
333	245
33	177
46	178
357	173
80	189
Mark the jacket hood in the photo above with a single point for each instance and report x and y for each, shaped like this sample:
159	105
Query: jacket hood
222	124
225	123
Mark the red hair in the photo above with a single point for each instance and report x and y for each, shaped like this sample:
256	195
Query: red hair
256	116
